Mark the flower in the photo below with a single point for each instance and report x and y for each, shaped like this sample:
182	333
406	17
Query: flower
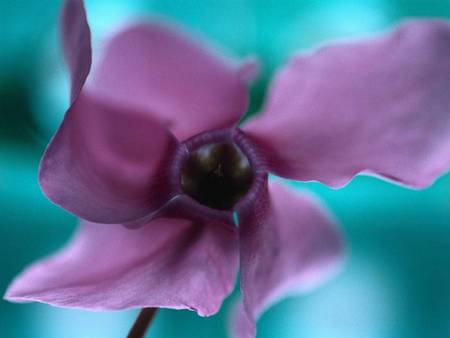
174	197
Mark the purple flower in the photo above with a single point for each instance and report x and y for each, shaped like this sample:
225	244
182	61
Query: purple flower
150	142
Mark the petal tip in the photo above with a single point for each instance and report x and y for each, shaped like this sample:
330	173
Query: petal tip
249	69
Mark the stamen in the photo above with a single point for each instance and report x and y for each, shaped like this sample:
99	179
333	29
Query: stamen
217	175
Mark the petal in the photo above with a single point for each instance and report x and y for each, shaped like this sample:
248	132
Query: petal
291	244
76	40
107	164
378	106
168	263
156	68
250	69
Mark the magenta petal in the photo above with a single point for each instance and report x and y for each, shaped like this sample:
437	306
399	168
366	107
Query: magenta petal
168	263
379	106
156	68
107	164
290	245
76	40
250	69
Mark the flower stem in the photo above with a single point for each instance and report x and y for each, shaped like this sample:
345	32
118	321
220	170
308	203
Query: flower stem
142	323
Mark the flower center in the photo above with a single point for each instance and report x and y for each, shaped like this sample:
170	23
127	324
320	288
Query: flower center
217	175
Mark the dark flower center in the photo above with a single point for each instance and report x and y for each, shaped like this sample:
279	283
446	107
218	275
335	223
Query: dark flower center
217	175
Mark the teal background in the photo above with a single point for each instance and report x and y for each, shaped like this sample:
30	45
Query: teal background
396	281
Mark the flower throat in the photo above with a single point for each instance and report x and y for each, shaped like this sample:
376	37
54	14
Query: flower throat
217	175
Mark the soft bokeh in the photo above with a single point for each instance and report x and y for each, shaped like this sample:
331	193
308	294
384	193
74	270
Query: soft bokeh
396	282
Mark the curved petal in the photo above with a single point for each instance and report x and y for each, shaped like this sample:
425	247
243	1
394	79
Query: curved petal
76	40
107	164
156	68
290	244
379	106
168	263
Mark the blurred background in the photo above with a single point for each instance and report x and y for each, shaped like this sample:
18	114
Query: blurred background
396	282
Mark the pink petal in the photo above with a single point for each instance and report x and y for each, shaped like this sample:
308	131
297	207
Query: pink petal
156	68
107	164
168	263
289	245
378	106
250	69
76	40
